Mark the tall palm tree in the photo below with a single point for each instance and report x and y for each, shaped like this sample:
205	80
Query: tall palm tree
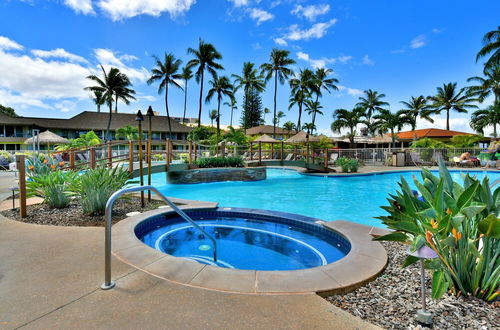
278	66
371	102
186	75
313	108
345	119
289	126
279	115
213	116
166	73
483	118
99	99
205	58
322	82
113	86
386	121
232	105
301	87
266	111
220	86
489	85
309	127
417	107
491	44
447	99
249	80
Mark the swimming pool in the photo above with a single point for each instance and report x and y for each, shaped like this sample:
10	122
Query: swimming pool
352	198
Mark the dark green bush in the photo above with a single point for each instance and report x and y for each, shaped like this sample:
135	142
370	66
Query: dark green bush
220	162
348	164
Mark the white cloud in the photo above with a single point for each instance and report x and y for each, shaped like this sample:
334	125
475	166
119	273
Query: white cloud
367	60
322	62
311	12
419	41
256	46
6	44
260	15
80	6
436	30
456	123
350	91
108	58
316	31
22	101
58	53
344	59
240	3
65	106
122	9
280	41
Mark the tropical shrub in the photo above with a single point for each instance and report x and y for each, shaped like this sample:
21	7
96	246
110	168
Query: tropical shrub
466	141
5	158
94	187
41	165
53	187
158	157
201	133
459	222
348	164
84	140
428	143
220	162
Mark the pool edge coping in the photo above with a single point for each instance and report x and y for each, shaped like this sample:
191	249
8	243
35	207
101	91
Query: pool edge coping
364	262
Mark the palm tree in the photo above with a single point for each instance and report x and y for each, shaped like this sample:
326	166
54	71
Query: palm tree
371	103
113	85
129	133
343	118
491	44
266	111
483	118
301	86
186	75
98	99
166	73
448	99
279	115
322	82
309	127
206	57
289	126
220	86
313	108
213	116
278	66
387	121
489	85
250	79
232	105
417	107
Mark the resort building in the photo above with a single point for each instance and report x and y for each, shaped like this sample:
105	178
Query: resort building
15	130
281	134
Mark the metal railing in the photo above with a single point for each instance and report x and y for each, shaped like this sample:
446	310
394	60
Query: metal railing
108	283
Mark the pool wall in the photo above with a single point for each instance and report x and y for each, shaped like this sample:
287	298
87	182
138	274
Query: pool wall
206	175
365	260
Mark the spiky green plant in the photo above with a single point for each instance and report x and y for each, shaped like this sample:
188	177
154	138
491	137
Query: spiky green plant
53	187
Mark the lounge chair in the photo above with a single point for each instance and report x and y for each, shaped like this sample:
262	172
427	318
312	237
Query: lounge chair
289	156
81	157
59	158
437	157
333	158
463	163
417	161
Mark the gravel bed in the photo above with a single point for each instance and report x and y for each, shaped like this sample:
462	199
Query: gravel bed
73	215
392	300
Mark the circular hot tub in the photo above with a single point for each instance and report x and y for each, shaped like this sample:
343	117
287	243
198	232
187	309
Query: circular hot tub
245	240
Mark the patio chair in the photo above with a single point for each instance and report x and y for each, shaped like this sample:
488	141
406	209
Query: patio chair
438	156
289	156
417	161
333	158
59	158
81	157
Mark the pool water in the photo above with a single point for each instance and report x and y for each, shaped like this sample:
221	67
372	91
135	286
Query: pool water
352	198
246	243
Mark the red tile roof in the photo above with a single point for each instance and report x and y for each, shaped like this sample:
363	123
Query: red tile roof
430	133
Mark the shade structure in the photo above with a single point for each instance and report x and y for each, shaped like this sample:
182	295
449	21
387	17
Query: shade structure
47	137
266	139
301	137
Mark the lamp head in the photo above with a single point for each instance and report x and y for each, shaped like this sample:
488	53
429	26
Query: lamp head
139	117
150	112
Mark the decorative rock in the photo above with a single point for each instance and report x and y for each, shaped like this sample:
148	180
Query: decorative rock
131	214
216	175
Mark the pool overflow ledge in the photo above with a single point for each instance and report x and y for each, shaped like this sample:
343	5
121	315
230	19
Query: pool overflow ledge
365	260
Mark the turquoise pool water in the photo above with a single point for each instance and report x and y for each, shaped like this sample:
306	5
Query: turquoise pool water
353	198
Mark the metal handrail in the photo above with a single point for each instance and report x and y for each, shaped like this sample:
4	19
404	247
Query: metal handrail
108	283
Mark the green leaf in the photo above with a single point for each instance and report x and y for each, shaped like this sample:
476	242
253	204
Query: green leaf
490	226
396	237
439	284
417	243
467	196
410	260
473	210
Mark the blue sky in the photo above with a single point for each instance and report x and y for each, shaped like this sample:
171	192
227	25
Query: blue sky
400	48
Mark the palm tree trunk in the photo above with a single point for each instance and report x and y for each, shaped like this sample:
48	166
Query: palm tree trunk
201	96
300	115
494	129
447	119
116	103
351	138
218	119
314	113
393	137
185	100
168	114
108	137
275	92
231	122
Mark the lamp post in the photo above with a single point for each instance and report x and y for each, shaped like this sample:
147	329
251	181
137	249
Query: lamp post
150	114
139	118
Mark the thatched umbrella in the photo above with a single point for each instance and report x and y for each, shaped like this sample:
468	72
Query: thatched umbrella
302	137
266	139
47	138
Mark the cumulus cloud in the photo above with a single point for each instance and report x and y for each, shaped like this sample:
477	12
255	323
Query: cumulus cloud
65	106
350	91
419	41
80	6
456	123
260	15
122	9
367	60
280	41
240	3
322	62
108	58
316	31
311	12
6	44
58	53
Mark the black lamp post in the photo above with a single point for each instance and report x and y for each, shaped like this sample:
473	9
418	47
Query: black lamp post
150	114
139	118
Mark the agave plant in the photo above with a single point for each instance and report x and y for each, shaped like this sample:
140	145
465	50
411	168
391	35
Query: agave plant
459	222
53	187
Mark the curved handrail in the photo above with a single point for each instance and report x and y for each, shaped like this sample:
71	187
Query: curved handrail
108	283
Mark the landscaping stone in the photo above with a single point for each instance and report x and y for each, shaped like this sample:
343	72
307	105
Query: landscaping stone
393	299
216	175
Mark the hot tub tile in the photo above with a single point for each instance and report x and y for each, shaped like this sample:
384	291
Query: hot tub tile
234	280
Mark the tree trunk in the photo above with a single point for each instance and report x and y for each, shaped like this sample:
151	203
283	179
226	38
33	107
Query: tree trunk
447	119
300	115
314	113
351	138
168	113
275	92
218	118
108	137
494	129
393	137
231	122
98	108
201	96
116	103
185	100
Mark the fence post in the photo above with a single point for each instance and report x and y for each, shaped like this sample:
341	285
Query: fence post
195	151
167	154
72	160
251	152
373	156
260	152
295	152
281	156
307	154
272	151
223	149
92	158
21	168
190	157
110	154
171	149
326	157
130	157
149	144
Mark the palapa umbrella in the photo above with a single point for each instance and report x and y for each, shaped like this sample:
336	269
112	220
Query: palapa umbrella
301	137
266	139
47	138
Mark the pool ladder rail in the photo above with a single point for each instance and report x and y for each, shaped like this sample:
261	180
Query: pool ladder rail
108	215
